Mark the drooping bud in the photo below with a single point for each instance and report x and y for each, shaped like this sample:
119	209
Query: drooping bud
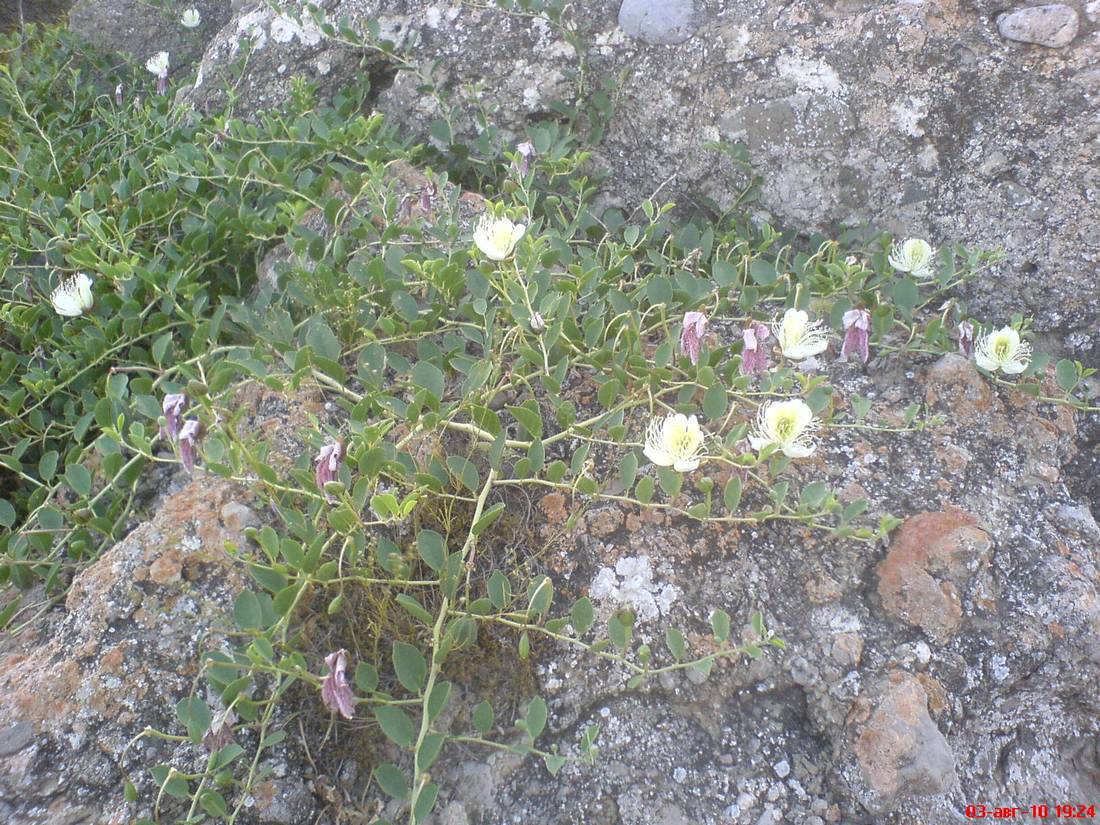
857	334
538	323
691	338
526	152
754	357
335	690
328	466
190	434
966	338
174	405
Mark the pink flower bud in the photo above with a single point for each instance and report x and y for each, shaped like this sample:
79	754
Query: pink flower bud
190	434
174	405
162	84
754	358
857	334
335	690
328	465
526	151
220	732
966	338
691	339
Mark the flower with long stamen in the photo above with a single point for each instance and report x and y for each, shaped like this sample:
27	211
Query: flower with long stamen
674	441
754	357
857	334
800	338
691	338
158	66
497	237
335	690
190	435
966	339
328	465
174	405
788	425
73	297
1002	350
914	256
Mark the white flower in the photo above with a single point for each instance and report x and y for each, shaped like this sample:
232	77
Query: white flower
73	297
1002	350
674	441
190	18
789	425
798	338
497	238
158	64
914	256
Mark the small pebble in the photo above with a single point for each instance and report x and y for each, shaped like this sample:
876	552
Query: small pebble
680	775
782	769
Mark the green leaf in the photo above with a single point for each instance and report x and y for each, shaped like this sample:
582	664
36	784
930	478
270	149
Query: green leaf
465	471
582	615
536	717
628	470
487	518
763	272
724	273
396	724
366	677
79	479
720	624
247	612
814	494
715	402
410	666
427	376
7	513
675	641
391	780
670	480
414	607
554	763
1065	373
195	715
483	718
500	590
906	294
530	420
213	803
619	632
644	490
323	341
429	750
732	494
430	546
425	802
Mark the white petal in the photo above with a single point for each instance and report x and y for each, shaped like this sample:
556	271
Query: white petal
1014	367
796	450
657	455
984	361
758	442
685	465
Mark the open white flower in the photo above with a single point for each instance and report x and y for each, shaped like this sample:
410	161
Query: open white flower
798	337
158	64
498	237
190	18
1002	350
914	256
73	297
789	425
674	441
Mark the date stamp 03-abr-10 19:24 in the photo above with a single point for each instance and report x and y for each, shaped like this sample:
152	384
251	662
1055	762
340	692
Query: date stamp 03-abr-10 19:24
1031	812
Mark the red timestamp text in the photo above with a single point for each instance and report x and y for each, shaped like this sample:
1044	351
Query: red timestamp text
1030	812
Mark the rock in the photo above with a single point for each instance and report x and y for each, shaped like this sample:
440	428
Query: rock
782	768
837	135
659	21
142	29
1054	25
14	12
931	558
901	752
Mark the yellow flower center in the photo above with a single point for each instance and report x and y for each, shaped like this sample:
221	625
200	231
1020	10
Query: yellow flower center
784	427
1001	349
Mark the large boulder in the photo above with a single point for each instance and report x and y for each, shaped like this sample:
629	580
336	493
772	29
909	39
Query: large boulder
923	119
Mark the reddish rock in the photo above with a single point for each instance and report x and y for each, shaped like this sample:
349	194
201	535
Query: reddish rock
931	558
900	750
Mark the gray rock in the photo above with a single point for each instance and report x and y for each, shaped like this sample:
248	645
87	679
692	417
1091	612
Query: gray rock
659	21
142	29
13	739
837	136
782	768
1053	26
